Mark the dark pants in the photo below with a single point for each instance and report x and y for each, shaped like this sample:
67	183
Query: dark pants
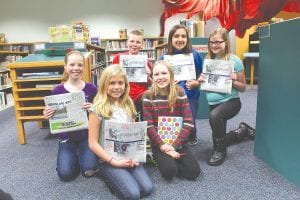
187	166
220	113
139	109
194	105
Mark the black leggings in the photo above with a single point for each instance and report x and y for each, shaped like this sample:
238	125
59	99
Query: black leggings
187	166
220	113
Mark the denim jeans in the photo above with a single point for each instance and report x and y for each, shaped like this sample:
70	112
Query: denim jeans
220	113
126	183
73	157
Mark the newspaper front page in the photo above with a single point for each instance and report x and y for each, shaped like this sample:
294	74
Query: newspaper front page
125	140
183	66
135	67
68	116
217	75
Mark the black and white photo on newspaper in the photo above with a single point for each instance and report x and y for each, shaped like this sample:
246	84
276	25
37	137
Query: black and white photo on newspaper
217	75
125	140
183	66
135	67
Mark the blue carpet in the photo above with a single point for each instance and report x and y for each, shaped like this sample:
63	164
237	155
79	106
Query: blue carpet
28	171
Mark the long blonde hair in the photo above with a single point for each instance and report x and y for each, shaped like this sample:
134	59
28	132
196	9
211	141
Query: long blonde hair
224	34
173	93
102	102
65	74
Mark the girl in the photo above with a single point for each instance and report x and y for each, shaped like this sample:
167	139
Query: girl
167	99
224	106
179	43
127	178
74	154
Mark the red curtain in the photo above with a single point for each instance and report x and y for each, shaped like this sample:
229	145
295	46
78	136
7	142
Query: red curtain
232	14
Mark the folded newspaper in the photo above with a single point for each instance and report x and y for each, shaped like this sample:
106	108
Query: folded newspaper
68	116
125	140
183	66
135	67
217	75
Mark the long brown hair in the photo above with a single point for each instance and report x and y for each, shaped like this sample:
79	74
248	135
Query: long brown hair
171	49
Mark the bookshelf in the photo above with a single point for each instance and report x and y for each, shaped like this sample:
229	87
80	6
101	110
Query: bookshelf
29	92
119	45
97	62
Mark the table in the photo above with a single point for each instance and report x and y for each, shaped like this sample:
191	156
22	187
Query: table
252	56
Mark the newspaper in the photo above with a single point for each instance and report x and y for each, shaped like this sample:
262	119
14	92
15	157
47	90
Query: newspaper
135	67
217	75
68	116
183	66
125	140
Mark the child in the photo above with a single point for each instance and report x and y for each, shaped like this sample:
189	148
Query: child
127	178
167	99
74	154
179	43
135	43
225	106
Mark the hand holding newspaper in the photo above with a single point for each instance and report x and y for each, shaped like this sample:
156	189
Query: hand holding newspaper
124	140
217	75
68	116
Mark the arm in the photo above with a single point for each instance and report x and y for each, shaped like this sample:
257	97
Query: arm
238	77
93	138
116	59
193	84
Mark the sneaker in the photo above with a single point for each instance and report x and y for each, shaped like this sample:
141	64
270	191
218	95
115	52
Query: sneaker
192	141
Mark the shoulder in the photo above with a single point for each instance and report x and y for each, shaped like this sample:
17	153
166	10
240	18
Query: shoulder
147	94
59	89
238	64
90	86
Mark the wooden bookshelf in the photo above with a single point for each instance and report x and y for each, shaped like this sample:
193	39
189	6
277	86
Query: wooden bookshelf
28	98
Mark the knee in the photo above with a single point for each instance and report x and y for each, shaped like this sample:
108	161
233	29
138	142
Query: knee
147	190
132	194
168	172
66	175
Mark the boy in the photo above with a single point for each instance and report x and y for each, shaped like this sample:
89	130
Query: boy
135	43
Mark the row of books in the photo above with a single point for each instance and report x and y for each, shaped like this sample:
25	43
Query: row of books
149	44
40	75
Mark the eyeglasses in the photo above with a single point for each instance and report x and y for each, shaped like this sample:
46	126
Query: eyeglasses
216	42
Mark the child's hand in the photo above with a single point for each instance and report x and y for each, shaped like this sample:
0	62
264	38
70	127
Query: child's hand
48	112
233	76
201	78
192	84
148	71
166	147
174	154
124	163
86	105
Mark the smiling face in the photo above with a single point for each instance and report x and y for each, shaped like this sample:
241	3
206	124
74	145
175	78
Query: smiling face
179	39
161	77
217	45
134	43
116	87
74	66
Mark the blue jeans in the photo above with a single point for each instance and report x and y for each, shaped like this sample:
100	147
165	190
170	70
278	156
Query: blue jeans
73	157
126	183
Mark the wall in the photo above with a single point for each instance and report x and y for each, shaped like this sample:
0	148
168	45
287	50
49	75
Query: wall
29	20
